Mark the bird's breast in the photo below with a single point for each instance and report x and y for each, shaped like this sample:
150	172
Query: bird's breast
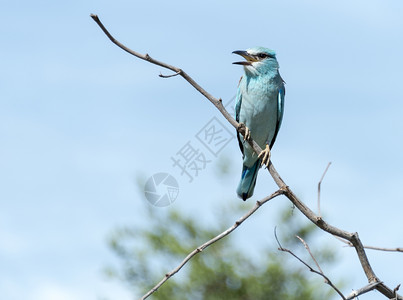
259	109
260	100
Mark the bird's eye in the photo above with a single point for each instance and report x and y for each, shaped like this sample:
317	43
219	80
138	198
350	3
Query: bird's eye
262	55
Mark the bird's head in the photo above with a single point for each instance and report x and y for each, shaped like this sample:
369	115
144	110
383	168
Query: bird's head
258	60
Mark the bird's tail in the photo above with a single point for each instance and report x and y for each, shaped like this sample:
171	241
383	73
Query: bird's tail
248	180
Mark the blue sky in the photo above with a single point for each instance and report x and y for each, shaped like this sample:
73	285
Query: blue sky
80	121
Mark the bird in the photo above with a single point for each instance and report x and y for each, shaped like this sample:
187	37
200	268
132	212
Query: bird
259	109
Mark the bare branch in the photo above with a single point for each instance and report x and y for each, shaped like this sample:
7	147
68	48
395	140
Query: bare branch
363	290
217	102
317	220
212	241
320	182
327	280
145	57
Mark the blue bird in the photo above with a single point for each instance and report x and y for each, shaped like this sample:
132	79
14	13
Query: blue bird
259	109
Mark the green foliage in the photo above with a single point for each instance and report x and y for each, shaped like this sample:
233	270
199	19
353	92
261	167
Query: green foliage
222	271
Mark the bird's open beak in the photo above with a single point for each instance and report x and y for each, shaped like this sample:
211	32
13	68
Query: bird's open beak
249	58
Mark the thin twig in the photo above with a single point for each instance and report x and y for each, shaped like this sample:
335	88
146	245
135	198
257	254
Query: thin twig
320	182
327	280
317	220
212	241
310	253
395	290
397	249
169	76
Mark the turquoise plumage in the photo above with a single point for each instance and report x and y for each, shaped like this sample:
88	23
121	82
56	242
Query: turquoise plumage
260	107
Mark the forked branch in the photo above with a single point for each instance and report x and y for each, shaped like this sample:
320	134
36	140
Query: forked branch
317	220
363	290
319	271
212	241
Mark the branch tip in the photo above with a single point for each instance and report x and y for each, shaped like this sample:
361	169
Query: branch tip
172	75
319	184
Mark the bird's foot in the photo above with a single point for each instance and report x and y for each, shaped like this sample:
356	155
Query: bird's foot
265	156
242	128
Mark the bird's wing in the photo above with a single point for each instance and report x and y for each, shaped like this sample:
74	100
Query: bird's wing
238	103
280	113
